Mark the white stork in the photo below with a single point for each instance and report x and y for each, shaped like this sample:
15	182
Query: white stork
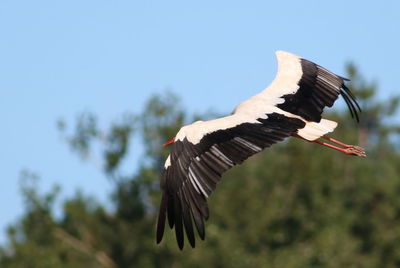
290	106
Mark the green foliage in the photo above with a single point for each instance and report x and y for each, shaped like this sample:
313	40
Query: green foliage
118	142
294	205
85	131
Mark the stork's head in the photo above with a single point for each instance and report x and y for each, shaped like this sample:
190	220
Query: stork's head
169	142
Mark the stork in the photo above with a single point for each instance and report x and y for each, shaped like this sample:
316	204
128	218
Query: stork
291	106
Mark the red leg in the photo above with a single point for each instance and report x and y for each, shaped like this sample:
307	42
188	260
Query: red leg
336	141
349	149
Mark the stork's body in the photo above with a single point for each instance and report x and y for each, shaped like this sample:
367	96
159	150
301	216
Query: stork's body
291	106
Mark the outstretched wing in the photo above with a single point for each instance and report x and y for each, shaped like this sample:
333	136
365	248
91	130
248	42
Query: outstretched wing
196	164
203	151
304	88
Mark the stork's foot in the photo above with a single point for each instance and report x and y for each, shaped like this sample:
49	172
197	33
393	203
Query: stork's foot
355	150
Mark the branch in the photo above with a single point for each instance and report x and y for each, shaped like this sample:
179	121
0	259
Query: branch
101	257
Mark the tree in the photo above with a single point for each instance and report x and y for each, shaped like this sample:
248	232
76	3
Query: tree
294	205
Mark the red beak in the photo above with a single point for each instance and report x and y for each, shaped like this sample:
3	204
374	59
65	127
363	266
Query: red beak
170	141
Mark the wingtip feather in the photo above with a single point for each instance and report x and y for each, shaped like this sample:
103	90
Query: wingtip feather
161	218
351	102
178	222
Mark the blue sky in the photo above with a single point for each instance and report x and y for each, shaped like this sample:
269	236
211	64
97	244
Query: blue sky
58	58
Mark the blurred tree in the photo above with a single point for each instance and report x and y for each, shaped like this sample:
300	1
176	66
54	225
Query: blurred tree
294	205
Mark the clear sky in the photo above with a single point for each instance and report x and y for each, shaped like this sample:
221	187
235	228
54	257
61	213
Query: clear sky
58	58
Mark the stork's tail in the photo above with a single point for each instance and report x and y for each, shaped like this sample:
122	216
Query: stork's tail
313	130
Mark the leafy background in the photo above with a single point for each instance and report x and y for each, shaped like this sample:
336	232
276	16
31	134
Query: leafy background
84	193
294	205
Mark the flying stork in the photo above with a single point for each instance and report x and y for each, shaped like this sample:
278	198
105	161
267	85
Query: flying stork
291	106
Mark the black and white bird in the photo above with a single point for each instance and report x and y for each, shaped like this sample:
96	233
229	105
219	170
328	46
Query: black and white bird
201	152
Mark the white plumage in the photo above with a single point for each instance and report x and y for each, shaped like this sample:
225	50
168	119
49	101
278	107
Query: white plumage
290	106
259	106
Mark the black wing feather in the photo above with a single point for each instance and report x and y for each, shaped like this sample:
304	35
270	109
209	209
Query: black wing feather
161	217
318	88
187	220
178	221
196	169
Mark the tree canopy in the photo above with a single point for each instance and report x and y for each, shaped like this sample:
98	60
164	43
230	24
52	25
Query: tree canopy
295	204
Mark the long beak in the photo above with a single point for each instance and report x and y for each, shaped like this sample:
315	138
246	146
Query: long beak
169	142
